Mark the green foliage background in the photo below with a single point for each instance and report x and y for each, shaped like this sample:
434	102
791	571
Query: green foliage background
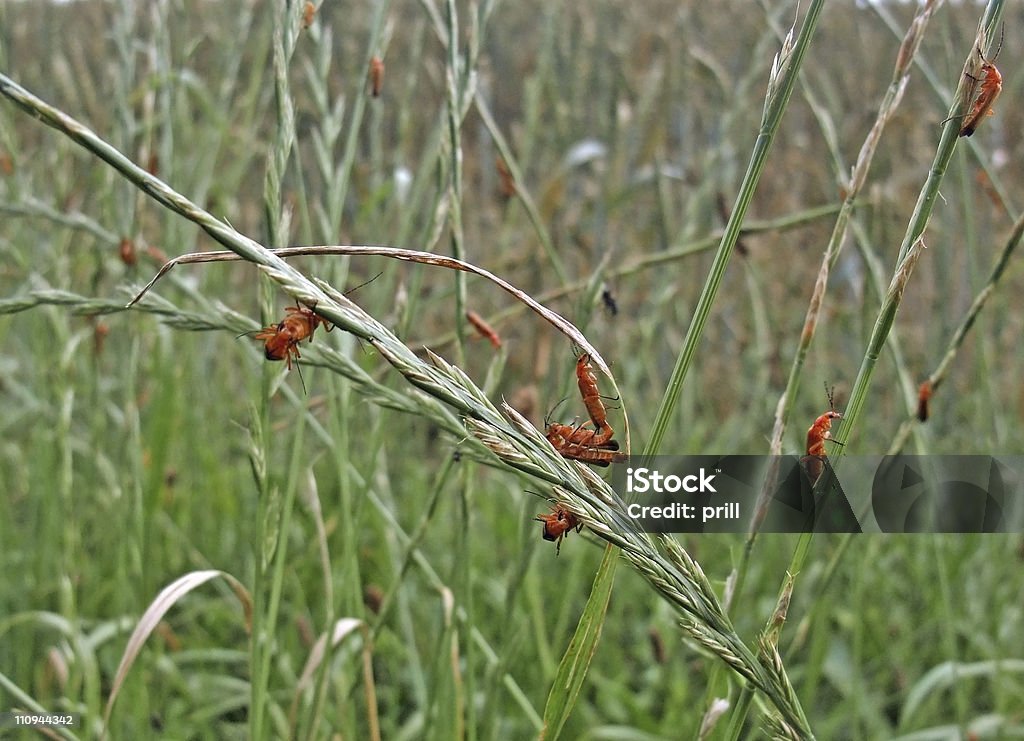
126	453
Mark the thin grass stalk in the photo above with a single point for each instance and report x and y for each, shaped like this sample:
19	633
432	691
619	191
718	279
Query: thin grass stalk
877	275
738	716
311	499
370	692
455	81
315	712
267	584
781	82
938	376
69	545
913	244
281	524
722	158
459	81
416	215
134	474
890	102
950	634
405	620
436	676
991	394
24	702
821	586
412	544
268	498
339	435
534	111
124	35
138	124
341	182
30	206
463	717
345	569
277	529
572	668
329	211
329	208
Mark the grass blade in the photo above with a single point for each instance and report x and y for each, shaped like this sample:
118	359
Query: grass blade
168	598
572	669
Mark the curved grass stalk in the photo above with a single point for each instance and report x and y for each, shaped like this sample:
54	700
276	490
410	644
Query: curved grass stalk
556	320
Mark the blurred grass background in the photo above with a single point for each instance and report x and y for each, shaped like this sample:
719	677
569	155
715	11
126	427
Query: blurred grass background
125	453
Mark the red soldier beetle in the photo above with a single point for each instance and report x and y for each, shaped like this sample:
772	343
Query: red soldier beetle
558	524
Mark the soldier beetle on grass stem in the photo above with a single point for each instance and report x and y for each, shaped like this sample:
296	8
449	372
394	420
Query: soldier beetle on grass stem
376	76
580	435
99	336
127	252
924	393
817	434
587	382
506	182
597	454
558	524
281	340
485	329
579	443
991	86
988	87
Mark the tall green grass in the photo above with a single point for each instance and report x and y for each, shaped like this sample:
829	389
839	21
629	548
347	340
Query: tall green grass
396	579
